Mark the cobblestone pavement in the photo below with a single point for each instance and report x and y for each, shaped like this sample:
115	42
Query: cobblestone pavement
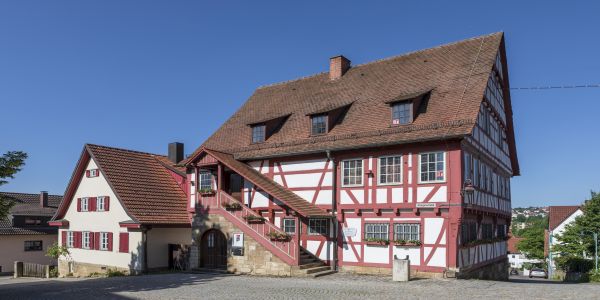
217	286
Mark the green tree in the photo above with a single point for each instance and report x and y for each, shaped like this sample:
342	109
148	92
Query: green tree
533	242
577	237
10	163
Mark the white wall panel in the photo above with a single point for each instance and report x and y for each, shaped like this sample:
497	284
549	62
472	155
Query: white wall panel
397	195
377	254
414	254
440	196
432	229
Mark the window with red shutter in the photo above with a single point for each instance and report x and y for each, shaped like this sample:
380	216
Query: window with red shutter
64	238
87	173
92	204
78	239
110	241
96	240
124	242
106	203
78	204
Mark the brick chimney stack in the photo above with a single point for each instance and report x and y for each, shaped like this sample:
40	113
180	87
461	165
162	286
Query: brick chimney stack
44	199
338	65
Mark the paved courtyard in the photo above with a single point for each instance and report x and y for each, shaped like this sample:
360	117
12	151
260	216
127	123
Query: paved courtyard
217	286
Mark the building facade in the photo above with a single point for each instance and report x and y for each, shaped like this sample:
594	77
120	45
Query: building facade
25	234
124	211
409	156
558	218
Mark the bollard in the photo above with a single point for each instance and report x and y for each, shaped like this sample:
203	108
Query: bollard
401	269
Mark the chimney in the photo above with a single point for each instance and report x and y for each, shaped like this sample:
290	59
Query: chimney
338	65
44	199
175	152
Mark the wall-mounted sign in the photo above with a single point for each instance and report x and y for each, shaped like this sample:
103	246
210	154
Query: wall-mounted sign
238	240
349	231
426	205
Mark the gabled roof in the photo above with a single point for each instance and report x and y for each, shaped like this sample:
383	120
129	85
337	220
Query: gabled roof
141	181
456	74
512	244
272	188
28	205
558	214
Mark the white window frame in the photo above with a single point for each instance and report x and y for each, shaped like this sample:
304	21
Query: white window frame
374	232
93	172
101	203
284	226
361	174
85	239
85	204
379	169
70	239
200	187
327	226
404	233
104	241
445	167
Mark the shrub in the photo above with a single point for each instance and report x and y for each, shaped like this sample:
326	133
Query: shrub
574	264
53	271
594	276
55	251
114	273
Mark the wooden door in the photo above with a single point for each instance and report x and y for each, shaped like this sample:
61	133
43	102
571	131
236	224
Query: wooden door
213	250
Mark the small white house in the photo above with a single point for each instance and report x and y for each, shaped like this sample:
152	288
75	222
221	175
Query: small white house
123	210
558	218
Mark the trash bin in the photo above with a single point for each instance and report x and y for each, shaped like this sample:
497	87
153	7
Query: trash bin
401	269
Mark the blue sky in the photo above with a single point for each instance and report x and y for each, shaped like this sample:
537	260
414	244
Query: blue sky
140	74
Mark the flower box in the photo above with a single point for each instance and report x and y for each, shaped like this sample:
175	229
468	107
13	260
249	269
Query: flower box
280	237
254	219
376	242
402	243
232	206
206	192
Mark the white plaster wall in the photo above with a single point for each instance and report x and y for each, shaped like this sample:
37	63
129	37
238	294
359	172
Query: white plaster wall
432	227
414	254
438	259
107	221
377	254
12	248
158	244
303	165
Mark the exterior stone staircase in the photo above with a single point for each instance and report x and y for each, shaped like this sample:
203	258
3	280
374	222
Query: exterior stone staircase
311	266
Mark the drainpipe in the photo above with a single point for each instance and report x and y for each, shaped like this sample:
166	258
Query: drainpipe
334	265
145	245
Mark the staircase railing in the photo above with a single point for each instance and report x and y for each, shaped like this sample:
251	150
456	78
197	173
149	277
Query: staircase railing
287	250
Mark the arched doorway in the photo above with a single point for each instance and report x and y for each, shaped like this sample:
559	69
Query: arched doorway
213	252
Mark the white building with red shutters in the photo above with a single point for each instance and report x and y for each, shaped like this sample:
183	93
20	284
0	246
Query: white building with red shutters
123	210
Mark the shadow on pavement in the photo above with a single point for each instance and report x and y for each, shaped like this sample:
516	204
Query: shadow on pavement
102	287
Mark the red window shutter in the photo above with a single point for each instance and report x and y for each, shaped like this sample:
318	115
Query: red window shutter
92	204
91	242
87	173
78	204
64	238
78	235
124	242
97	240
110	241
106	203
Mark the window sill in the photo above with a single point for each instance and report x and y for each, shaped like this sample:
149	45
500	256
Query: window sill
389	184
381	244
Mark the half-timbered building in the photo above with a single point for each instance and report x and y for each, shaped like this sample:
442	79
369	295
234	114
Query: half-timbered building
409	156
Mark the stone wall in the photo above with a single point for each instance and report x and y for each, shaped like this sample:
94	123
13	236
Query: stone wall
497	270
84	269
257	260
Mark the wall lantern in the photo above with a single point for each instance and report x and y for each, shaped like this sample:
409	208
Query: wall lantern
468	188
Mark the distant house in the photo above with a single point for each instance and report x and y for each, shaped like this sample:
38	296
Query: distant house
516	258
24	233
123	210
558	218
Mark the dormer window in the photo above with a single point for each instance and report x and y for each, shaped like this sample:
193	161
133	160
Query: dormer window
318	124
258	133
402	113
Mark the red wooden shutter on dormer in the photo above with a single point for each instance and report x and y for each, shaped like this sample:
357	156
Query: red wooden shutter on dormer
78	204
106	203
87	173
110	241
123	242
92	204
64	238
96	240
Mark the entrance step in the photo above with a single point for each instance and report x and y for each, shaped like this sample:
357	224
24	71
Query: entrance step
322	273
310	265
317	269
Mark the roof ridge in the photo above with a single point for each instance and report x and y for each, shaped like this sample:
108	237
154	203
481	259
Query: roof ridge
386	59
125	150
19	193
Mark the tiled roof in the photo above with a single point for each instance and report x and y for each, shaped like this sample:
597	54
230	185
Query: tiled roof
286	196
28	205
557	214
456	74
512	244
141	182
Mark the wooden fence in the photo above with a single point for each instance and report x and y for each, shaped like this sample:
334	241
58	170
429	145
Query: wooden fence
23	269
